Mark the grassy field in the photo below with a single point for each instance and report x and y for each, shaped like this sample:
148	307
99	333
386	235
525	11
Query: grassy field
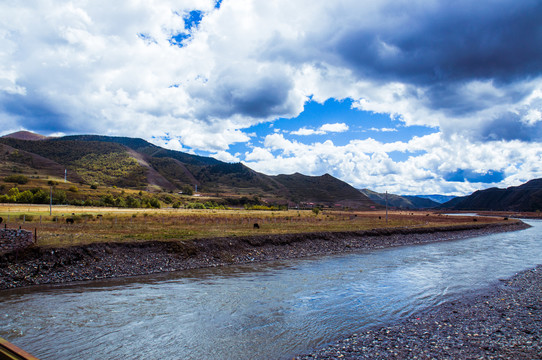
131	225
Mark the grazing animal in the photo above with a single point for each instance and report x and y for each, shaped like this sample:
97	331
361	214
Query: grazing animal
69	221
256	226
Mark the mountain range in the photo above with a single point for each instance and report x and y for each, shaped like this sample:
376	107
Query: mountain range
400	201
525	197
135	163
132	163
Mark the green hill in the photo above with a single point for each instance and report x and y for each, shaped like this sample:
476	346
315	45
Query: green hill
137	164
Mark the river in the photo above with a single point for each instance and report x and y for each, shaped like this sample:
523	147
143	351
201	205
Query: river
269	310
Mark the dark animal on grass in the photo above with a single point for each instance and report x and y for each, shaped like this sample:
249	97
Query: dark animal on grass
69	221
1	220
256	226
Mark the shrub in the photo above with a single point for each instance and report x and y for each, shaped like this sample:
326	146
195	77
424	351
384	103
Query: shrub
119	202
195	206
155	203
108	200
93	186
18	179
26	217
89	202
176	205
132	202
87	216
73	189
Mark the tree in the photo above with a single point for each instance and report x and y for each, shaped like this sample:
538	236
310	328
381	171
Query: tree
59	197
40	197
187	190
25	197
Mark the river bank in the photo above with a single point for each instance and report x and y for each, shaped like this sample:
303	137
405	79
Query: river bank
37	265
502	322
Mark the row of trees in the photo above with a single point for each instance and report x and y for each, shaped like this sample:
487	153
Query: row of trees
34	196
60	197
40	196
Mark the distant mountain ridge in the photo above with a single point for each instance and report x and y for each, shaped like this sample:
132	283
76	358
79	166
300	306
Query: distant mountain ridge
136	163
441	199
525	197
26	135
400	202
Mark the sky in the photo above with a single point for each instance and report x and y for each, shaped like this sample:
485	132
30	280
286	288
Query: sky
405	96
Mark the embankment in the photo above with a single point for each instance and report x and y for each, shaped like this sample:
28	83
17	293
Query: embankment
36	265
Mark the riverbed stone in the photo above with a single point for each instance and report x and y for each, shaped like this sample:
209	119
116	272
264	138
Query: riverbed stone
12	240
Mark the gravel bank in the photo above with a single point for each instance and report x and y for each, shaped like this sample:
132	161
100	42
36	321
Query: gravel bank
37	265
503	322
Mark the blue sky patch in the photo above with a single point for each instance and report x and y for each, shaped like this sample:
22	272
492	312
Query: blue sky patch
178	39
192	19
361	125
191	22
467	175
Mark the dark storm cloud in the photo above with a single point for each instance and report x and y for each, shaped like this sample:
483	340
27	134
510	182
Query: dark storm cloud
32	113
456	41
510	127
452	98
257	96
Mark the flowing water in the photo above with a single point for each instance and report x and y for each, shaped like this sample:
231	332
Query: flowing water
262	311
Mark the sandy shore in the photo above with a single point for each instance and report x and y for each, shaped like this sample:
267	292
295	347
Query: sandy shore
98	261
501	322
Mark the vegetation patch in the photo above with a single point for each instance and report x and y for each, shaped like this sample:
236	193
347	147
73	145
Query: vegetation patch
18	179
116	168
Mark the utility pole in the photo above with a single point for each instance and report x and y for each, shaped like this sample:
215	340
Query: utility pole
386	207
51	202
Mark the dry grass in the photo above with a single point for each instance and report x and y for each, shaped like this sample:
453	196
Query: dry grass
129	225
